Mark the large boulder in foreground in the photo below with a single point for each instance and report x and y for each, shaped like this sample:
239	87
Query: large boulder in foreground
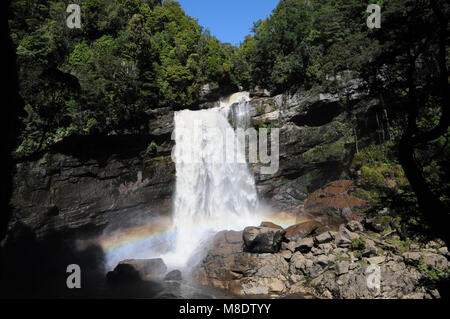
227	266
302	230
261	240
133	270
174	275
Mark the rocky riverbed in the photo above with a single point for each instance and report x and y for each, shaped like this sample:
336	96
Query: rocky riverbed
331	264
347	263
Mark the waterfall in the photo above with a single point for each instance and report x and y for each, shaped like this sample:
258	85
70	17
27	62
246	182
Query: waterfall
212	193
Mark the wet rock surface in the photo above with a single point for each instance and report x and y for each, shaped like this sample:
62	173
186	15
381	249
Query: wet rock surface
316	140
301	230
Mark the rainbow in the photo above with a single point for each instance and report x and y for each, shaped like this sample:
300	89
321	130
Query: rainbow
155	238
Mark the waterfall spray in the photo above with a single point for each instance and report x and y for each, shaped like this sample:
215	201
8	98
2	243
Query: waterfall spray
212	193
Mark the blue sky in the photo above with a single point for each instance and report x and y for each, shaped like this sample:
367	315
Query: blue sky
229	20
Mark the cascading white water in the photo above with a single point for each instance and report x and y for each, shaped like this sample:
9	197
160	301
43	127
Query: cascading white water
212	193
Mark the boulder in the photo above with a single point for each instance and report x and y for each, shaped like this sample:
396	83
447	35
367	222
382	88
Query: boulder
333	271
412	258
335	203
376	260
287	254
344	237
259	92
324	238
354	226
291	246
327	248
371	248
300	231
226	266
137	269
316	251
322	260
444	251
298	260
262	240
123	274
435	261
342	267
174	275
305	245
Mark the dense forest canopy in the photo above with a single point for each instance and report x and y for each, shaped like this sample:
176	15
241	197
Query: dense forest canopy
132	56
129	56
302	41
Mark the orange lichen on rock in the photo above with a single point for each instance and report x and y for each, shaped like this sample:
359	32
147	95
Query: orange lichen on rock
334	201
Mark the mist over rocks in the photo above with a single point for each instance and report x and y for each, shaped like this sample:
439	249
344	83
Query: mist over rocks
137	269
174	275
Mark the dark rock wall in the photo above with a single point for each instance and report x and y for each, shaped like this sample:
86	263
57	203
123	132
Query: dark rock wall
92	183
319	134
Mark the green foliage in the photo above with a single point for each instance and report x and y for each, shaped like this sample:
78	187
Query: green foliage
304	41
341	256
129	56
378	167
402	245
358	245
434	274
372	176
152	148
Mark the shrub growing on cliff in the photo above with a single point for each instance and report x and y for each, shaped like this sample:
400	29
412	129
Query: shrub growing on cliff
358	245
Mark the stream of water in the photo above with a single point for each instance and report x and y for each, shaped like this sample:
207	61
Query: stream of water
213	193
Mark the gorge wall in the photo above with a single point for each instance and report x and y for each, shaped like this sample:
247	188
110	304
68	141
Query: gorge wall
92	182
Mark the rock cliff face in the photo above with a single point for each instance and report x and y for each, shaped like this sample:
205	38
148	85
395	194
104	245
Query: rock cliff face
319	135
92	181
84	184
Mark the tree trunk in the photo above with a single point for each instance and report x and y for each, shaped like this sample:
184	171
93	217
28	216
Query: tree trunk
433	210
